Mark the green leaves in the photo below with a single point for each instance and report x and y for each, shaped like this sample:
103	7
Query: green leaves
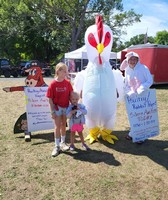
44	29
162	37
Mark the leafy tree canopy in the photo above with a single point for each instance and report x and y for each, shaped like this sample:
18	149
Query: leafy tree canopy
162	37
44	29
140	39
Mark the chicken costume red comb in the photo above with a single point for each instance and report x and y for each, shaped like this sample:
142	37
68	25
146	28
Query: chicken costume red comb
103	40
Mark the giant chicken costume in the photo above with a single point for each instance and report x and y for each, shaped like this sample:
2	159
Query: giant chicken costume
99	93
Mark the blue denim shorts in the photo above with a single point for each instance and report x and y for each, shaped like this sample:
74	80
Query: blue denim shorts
60	111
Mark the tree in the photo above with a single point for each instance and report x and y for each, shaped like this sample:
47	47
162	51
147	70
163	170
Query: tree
46	28
81	14
139	39
162	37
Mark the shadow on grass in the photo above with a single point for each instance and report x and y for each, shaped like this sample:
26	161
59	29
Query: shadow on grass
94	156
45	137
160	86
156	150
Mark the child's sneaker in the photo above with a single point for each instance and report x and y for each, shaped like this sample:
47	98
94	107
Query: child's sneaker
85	147
72	147
55	151
64	147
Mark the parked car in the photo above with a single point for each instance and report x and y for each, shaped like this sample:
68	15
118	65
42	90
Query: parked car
46	70
24	68
7	69
21	65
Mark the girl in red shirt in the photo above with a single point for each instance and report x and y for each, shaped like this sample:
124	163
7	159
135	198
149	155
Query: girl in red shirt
59	93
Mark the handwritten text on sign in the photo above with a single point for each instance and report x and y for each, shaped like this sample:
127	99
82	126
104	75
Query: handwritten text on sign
38	110
143	115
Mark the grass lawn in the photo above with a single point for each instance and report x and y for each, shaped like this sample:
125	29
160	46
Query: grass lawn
123	171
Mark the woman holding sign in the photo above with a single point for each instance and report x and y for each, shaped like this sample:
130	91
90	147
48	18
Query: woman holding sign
137	79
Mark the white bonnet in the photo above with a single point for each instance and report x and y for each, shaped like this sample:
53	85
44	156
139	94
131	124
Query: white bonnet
124	63
130	54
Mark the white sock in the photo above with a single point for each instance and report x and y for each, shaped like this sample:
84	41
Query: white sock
57	142
63	139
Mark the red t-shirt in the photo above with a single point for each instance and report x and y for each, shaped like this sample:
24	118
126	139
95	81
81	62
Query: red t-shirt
59	92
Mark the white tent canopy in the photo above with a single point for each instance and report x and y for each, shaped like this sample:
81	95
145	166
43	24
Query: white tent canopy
77	54
81	53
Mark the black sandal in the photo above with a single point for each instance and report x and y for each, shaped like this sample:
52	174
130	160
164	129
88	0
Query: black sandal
140	142
128	137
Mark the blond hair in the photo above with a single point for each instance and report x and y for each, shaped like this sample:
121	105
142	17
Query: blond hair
73	93
60	66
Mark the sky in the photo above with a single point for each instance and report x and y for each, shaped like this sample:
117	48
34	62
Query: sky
154	17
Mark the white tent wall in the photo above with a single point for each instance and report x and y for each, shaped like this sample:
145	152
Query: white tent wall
81	53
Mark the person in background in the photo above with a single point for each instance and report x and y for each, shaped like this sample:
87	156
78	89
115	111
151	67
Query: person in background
59	93
137	78
75	113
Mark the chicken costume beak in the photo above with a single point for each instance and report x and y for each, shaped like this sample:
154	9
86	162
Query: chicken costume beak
100	48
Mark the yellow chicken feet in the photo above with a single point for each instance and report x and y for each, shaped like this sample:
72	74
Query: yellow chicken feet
107	136
104	133
93	134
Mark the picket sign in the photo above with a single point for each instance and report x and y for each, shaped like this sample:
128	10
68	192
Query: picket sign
143	115
37	109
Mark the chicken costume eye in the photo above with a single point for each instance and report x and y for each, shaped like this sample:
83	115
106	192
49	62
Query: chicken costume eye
107	39
92	40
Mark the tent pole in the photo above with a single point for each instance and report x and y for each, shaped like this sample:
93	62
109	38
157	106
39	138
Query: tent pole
81	64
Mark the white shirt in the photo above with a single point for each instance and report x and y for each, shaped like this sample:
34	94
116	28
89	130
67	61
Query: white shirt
137	79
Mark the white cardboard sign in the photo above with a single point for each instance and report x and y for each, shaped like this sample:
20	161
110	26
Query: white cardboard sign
143	115
37	109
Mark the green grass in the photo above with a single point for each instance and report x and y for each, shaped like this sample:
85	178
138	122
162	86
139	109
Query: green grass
108	172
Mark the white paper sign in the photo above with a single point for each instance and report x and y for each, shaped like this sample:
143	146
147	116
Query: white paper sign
143	115
38	110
